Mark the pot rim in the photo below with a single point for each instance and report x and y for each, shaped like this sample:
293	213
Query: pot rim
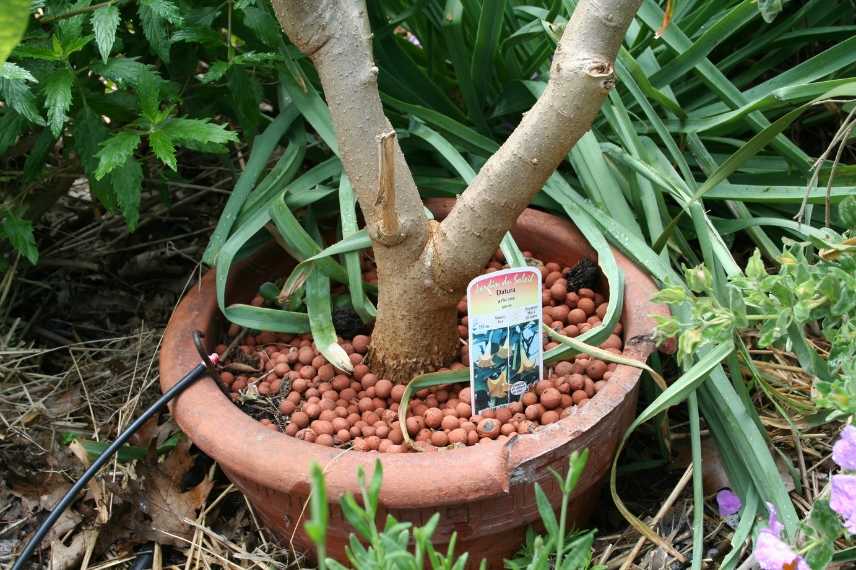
413	480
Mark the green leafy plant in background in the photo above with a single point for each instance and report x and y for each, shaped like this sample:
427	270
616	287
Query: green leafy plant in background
401	545
112	91
817	289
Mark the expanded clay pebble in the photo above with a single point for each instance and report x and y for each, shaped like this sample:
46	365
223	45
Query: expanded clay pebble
313	401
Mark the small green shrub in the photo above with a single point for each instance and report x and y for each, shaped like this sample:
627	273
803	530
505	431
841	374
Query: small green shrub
112	90
815	285
399	545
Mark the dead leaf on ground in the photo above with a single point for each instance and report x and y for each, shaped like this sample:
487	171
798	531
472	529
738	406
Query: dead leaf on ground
67	557
94	488
158	507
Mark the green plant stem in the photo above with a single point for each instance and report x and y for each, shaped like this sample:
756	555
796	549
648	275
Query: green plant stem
698	488
563	517
761	317
230	50
77	12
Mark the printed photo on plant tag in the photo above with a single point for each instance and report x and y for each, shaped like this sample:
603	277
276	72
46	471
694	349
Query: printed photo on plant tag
506	352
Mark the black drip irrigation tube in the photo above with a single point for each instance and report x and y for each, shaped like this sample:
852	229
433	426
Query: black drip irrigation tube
197	372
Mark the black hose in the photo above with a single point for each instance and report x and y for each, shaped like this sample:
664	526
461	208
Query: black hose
197	372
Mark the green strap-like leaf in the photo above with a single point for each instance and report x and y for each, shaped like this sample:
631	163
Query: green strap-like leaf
257	318
348	214
321	321
263	147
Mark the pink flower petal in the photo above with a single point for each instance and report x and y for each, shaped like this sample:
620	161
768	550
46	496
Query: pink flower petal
843	499
773	554
844	450
773	525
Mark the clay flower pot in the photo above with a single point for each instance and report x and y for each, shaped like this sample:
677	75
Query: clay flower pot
484	492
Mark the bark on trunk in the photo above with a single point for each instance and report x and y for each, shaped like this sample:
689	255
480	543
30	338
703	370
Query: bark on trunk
411	337
423	266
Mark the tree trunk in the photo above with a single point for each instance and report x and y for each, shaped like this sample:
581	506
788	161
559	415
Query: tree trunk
412	337
423	267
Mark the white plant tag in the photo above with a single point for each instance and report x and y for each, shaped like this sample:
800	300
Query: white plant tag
505	340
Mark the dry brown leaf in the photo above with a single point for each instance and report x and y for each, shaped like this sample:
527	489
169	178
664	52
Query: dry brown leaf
162	500
94	487
66	557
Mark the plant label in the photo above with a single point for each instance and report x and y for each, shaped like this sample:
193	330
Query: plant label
506	352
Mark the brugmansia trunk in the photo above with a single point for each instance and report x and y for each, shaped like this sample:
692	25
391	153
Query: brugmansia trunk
416	328
411	337
423	266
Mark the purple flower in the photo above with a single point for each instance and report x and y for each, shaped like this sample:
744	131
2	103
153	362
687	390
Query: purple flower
773	524
771	552
844	450
729	503
843	499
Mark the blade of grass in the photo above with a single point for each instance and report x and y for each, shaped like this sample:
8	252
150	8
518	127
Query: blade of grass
321	322
299	244
453	33
718	32
652	15
347	211
257	318
308	101
487	41
698	486
743	530
263	146
674	394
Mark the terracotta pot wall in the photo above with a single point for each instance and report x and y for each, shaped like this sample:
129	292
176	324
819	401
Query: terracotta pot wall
484	492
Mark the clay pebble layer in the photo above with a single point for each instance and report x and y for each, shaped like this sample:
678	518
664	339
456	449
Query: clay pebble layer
288	386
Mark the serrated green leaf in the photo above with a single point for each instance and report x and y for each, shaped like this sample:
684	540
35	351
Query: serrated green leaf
198	35
11	71
74	46
13	24
88	134
163	148
12	125
126	70
154	15
164	9
115	152
30	51
198	130
19	96
70	18
148	92
127	181
216	71
57	88
19	232
105	22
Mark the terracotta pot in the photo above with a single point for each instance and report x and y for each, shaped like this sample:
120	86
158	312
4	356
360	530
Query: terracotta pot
484	492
